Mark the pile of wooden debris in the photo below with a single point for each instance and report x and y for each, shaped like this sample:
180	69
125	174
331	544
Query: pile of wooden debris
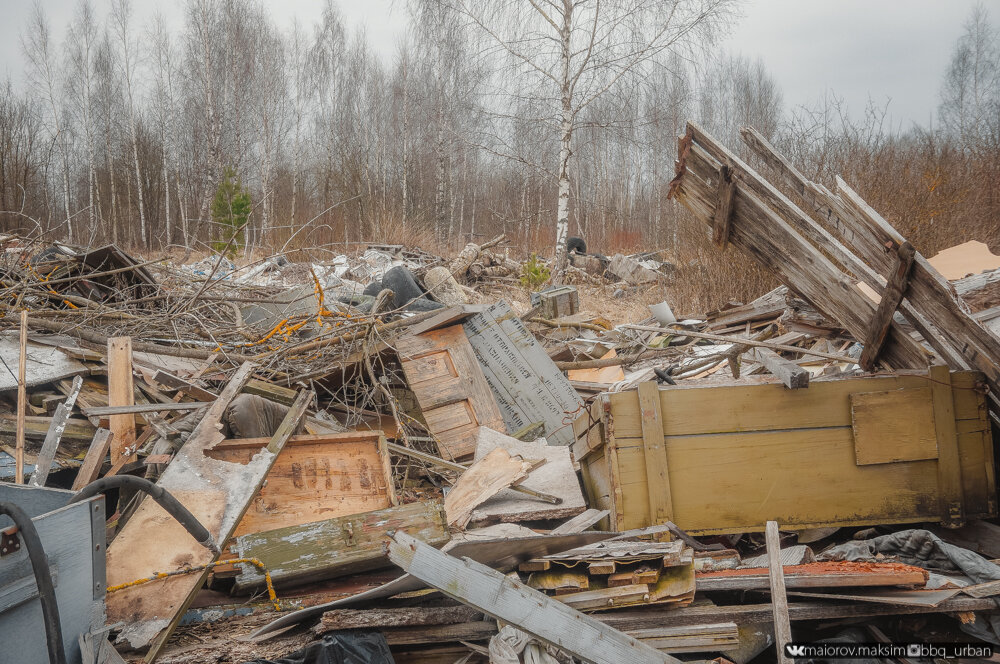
375	455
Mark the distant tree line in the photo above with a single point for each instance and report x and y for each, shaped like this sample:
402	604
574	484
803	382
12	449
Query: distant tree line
529	119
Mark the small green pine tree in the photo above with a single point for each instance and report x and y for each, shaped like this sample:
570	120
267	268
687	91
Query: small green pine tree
230	212
534	273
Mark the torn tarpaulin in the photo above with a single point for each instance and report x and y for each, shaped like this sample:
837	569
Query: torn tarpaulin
340	648
925	549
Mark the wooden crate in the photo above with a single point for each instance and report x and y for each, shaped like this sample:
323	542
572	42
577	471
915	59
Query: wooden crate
906	448
315	477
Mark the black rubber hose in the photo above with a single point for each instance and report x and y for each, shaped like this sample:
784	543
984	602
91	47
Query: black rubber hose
157	493
43	579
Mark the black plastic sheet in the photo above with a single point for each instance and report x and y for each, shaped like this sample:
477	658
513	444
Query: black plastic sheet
340	648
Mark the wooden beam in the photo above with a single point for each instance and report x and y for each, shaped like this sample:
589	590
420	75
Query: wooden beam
513	602
121	392
22	400
112	411
895	289
661	507
51	443
791	374
93	460
739	341
779	601
723	216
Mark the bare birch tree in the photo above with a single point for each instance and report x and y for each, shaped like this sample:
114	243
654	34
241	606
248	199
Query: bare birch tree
567	54
121	18
43	75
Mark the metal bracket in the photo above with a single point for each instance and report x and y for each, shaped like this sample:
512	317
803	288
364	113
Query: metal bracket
9	541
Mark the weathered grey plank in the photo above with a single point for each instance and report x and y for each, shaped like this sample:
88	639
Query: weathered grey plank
791	374
51	443
515	603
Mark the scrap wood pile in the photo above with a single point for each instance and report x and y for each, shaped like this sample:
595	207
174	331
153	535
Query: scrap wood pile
377	455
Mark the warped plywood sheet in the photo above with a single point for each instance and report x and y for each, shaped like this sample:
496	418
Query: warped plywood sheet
525	381
45	364
449	385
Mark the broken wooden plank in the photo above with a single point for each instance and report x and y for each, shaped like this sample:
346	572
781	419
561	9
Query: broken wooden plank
93	460
121	392
987	589
453	394
607	598
513	602
51	443
559	579
580	522
817	575
779	601
523	379
277	393
556	478
791	374
216	493
895	289
484	479
327	549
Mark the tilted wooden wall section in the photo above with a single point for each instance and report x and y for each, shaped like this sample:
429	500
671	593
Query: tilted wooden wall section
728	459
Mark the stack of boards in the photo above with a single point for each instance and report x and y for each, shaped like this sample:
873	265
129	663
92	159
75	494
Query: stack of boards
610	575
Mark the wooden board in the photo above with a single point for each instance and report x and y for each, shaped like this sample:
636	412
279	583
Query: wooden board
525	381
555	477
513	602
315	477
216	493
121	392
450	388
893	426
484	479
334	547
770	453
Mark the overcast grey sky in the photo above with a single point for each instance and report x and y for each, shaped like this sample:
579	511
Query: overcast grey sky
895	50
